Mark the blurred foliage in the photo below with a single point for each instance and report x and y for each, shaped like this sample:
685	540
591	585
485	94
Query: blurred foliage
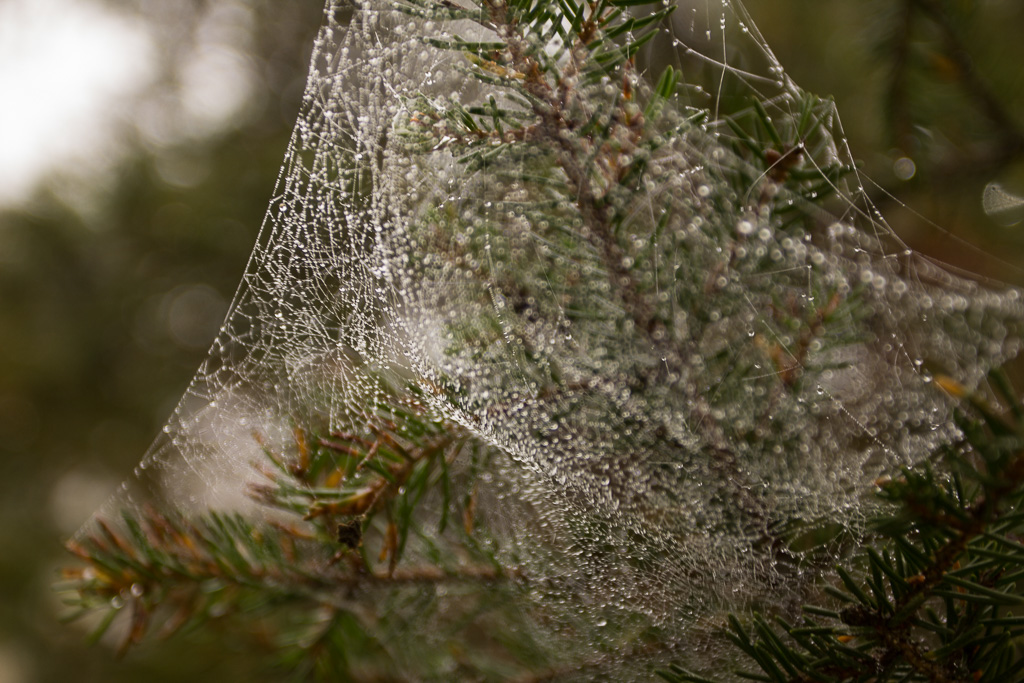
108	305
90	363
933	81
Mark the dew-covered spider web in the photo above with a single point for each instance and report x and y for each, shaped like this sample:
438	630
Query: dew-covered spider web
589	316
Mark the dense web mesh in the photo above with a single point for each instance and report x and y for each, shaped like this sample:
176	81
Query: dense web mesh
661	335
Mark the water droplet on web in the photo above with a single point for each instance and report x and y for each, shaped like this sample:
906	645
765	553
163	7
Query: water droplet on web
1004	208
619	388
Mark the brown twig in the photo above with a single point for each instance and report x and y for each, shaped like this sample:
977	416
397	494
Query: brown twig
899	108
1009	144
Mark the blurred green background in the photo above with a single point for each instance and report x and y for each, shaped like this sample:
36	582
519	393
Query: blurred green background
139	144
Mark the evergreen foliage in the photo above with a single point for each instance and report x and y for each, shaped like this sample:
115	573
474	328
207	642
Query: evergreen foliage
939	592
359	521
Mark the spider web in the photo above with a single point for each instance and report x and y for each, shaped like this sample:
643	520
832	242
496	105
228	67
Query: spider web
753	351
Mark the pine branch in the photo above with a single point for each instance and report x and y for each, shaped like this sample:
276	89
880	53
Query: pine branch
338	494
561	115
949	542
577	133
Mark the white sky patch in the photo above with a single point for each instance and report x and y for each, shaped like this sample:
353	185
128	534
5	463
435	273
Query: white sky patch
217	78
66	70
216	86
215	81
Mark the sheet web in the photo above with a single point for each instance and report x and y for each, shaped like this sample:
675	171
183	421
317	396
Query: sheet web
629	352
